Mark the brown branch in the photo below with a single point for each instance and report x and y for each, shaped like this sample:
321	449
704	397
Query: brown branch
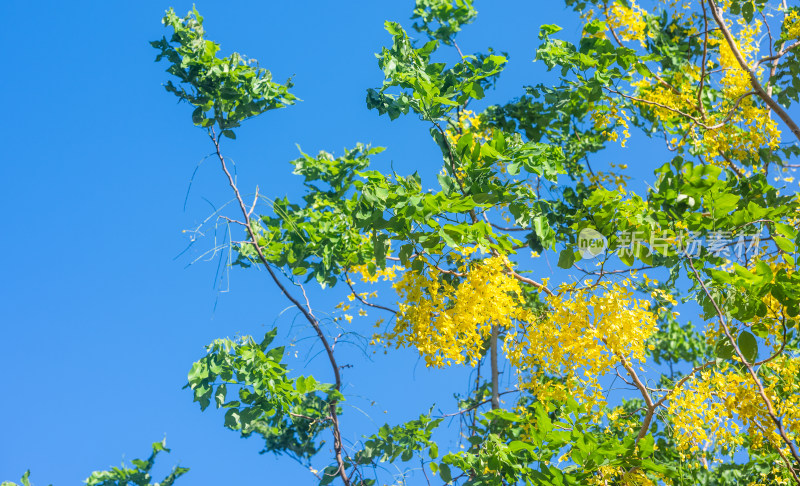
648	400
361	299
502	228
473	407
424	472
727	118
495	370
780	53
460	54
230	220
337	438
683	380
253	207
536	284
703	66
612	272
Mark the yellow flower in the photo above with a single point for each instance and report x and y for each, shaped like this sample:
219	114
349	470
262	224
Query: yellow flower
449	324
791	24
627	22
582	339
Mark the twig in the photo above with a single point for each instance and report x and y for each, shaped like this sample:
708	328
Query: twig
703	65
253	207
361	299
700	123
473	407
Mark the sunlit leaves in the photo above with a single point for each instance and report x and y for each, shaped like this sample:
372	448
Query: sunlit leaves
518	177
139	475
424	87
225	91
288	413
442	19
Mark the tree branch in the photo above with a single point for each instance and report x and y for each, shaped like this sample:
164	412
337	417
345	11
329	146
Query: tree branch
715	12
337	438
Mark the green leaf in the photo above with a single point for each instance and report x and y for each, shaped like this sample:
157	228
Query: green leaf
232	418
646	446
786	231
748	346
219	397
566	258
268	338
198	373
198	116
748	11
724	349
517	445
444	472
784	244
548	29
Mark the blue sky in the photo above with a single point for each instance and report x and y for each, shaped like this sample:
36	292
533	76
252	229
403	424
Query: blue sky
99	321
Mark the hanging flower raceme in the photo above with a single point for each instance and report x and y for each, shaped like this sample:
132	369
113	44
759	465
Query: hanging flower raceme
582	339
718	408
449	323
628	21
791	24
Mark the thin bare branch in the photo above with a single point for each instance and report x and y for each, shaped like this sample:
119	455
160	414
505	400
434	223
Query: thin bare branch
337	438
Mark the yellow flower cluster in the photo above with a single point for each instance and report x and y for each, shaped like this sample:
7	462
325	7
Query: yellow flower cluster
372	276
735	80
791	24
609	117
606	475
628	22
369	276
710	410
450	323
739	131
468	121
703	411
751	127
609	179
582	339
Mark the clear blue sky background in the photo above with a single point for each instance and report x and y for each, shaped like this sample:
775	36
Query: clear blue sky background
99	323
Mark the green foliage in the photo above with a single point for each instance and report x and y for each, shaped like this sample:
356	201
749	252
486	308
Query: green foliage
524	448
442	19
139	475
225	91
289	413
24	481
317	239
425	87
515	177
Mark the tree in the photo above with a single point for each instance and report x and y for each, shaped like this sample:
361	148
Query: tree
518	176
712	401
